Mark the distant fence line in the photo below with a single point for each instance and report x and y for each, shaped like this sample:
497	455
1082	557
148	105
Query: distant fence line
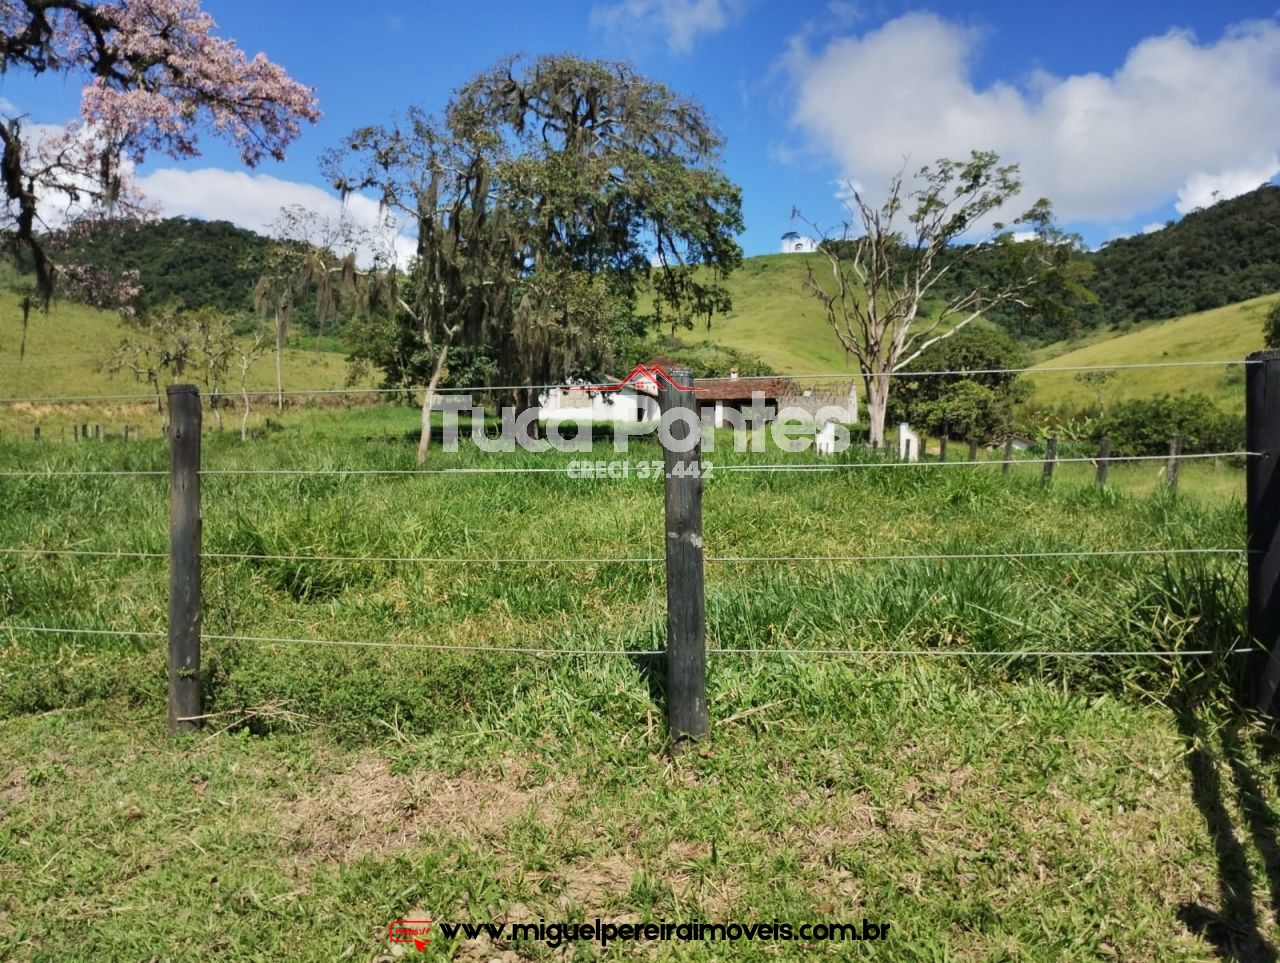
261	393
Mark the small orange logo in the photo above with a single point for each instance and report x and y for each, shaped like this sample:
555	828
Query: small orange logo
417	932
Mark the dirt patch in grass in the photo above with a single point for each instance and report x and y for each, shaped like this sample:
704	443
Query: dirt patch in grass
370	810
13	788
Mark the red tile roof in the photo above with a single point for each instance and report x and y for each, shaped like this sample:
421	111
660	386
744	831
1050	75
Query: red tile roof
740	389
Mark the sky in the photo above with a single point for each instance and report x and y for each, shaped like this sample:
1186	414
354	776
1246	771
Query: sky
1125	114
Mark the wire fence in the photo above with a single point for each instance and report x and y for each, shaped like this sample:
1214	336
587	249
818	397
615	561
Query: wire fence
633	560
632	653
565	469
35	552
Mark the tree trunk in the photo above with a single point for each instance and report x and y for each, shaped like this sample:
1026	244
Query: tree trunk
424	442
877	407
279	368
244	419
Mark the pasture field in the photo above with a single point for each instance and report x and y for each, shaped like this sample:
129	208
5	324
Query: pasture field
1229	333
987	807
66	354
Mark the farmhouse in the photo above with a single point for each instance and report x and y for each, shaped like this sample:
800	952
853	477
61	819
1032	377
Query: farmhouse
634	399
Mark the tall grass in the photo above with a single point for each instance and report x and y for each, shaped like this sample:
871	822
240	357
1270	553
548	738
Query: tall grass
1122	604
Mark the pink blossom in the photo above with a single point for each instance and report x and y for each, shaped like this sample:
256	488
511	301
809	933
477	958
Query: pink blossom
155	78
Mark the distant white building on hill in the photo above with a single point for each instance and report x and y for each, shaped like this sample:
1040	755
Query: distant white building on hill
793	243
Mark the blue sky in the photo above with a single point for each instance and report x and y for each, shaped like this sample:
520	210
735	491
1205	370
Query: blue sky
1125	114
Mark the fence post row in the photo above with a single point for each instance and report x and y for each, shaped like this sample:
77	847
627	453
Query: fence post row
185	696
686	609
1050	457
1104	460
1171	469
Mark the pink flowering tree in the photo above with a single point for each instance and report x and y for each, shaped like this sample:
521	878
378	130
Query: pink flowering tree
155	77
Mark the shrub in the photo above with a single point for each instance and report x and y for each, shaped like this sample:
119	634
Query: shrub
1144	426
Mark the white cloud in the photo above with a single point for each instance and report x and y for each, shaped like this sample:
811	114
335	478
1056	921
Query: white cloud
681	21
254	201
1153	227
1177	117
1204	190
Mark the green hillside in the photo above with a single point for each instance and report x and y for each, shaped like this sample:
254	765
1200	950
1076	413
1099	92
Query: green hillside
774	317
1222	333
67	347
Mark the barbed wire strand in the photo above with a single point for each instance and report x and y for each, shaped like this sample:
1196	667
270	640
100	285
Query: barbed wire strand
527	650
566	469
638	560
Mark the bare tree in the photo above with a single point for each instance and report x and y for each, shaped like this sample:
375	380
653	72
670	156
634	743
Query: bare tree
883	277
312	256
247	354
215	346
159	353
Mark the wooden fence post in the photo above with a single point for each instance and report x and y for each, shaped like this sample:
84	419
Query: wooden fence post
185	697
973	449
1171	469
1050	457
942	448
1104	460
1262	513
36	433
1008	455
681	435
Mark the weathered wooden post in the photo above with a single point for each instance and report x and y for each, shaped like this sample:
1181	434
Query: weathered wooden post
973	449
185	698
681	436
1008	455
1104	460
1262	514
942	448
1050	457
36	433
1171	468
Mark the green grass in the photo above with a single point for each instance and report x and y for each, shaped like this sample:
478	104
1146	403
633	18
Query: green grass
988	808
1223	333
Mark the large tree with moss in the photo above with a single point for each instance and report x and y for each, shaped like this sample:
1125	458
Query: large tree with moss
547	198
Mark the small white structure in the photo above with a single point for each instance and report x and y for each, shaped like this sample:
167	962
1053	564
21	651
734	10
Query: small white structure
634	402
793	243
908	443
824	442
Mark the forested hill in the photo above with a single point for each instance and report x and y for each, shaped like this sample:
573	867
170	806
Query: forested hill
1215	256
1220	255
200	263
